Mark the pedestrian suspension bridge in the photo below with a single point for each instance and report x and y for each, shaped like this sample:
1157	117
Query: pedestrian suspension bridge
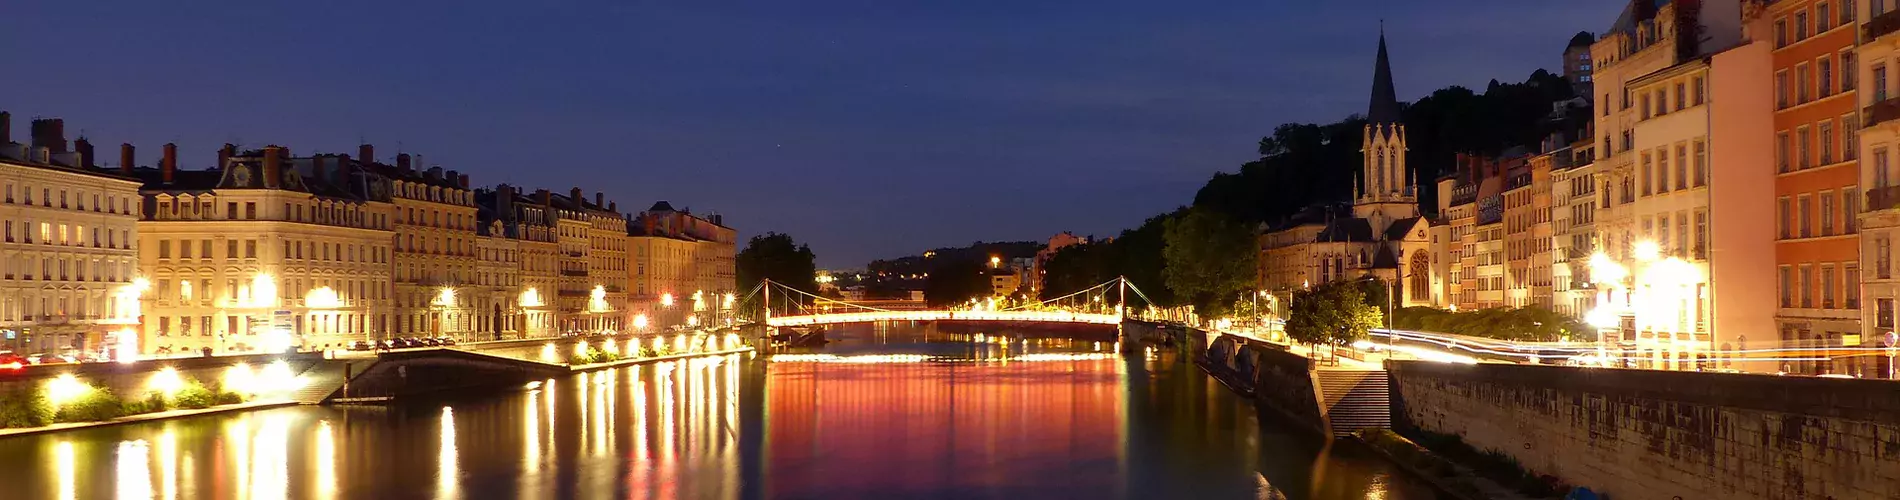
1102	304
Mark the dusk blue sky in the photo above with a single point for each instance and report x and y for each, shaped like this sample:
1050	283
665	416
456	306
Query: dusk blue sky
868	129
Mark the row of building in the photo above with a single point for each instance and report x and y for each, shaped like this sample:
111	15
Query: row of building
1723	196
261	249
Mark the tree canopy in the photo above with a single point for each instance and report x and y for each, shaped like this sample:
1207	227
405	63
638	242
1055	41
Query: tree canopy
1210	259
776	257
1334	313
956	280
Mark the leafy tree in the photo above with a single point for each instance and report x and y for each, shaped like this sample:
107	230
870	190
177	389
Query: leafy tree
1210	259
954	281
776	257
1530	324
1333	313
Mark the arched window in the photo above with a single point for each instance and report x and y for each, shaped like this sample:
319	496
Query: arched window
1421	275
1379	177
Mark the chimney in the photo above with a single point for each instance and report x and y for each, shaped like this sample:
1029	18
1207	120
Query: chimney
169	164
577	196
613	207
84	148
433	173
451	176
366	153
127	159
543	197
6	128
316	169
600	198
402	162
49	133
343	171
225	153
273	165
462	180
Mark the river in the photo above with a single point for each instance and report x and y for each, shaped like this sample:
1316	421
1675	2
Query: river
885	411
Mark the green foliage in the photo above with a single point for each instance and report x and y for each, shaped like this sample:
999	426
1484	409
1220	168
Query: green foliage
1528	324
95	405
776	257
1496	465
1333	313
953	281
1210	259
25	407
228	398
194	396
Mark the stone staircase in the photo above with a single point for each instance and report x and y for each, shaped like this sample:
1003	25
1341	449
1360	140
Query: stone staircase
1354	399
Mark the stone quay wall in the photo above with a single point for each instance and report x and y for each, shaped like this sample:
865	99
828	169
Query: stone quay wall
1639	434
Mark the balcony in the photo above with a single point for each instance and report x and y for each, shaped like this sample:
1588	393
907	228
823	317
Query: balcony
570	272
1883	198
1881	25
1882	111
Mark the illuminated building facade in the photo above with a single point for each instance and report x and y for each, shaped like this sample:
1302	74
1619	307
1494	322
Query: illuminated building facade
1817	189
265	252
525	226
434	249
1873	65
67	260
592	237
677	255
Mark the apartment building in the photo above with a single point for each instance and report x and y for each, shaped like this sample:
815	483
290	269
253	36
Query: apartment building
68	266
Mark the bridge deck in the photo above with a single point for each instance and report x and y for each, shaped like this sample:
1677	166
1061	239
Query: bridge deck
877	316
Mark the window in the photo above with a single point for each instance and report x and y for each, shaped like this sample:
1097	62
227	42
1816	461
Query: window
1827	142
164	249
1827	213
1806	285
1823	19
184	249
1781	33
1850	137
1847	69
1701	163
1800	26
1662	232
1880	82
1662	101
1682	95
1850	281
1883	257
1803	81
1662	170
1826	70
250	249
1787	286
1645	106
1827	286
250	210
1682	166
1804	144
1850	209
1646	173
1805	213
1782	152
1701	91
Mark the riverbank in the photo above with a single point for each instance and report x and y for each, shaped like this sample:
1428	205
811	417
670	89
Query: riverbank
143	417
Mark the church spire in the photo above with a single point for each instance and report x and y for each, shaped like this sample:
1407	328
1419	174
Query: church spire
1385	101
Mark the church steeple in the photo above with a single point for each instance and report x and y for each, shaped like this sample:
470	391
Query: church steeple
1387	190
1385	101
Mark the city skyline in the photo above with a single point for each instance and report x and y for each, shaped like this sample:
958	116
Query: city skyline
707	118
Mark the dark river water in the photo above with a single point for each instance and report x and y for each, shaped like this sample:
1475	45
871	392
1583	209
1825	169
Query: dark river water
886	411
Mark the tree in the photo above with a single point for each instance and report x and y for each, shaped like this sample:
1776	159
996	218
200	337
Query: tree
1210	259
1333	313
776	257
954	281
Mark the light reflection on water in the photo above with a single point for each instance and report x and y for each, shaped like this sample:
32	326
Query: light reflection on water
1038	418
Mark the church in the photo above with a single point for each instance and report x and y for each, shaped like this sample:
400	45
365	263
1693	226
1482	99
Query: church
1380	235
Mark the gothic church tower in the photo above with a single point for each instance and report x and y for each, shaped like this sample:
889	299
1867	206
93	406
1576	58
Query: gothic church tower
1386	191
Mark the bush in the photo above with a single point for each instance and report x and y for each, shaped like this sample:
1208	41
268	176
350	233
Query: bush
194	396
95	405
25	408
228	398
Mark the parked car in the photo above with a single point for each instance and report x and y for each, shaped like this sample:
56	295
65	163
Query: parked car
11	361
360	345
416	342
446	340
385	344
47	359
